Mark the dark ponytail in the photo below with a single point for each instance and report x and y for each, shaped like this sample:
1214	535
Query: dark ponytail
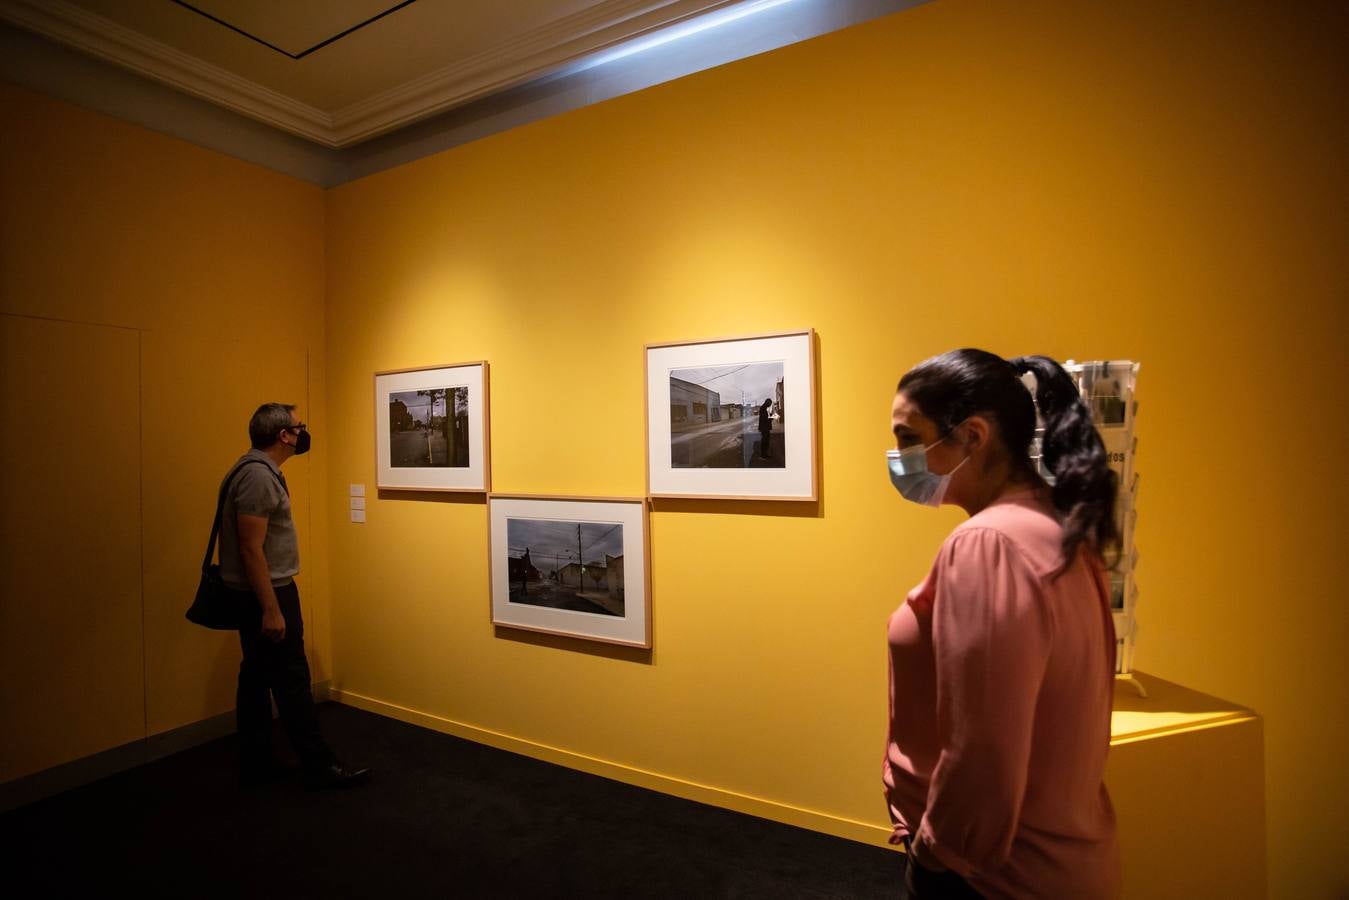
1084	484
954	386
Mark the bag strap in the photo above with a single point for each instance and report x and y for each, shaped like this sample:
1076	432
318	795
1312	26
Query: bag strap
220	506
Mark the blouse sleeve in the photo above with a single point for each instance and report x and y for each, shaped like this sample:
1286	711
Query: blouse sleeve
991	634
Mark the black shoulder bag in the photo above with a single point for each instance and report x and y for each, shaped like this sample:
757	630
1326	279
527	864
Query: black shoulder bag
217	605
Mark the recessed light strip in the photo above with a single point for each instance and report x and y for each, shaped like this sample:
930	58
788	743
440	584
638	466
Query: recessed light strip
676	32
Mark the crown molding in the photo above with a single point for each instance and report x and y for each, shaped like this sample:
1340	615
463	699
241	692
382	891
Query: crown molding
105	39
528	55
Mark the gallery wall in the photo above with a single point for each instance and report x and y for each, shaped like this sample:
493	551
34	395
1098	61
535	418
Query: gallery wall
152	294
1150	181
1159	182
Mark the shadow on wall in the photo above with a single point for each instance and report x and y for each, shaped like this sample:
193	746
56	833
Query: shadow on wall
575	645
224	674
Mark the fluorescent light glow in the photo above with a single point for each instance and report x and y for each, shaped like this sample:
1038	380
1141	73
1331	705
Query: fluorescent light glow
678	32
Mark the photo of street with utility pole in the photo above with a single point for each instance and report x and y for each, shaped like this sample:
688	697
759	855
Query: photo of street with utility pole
575	566
727	417
423	434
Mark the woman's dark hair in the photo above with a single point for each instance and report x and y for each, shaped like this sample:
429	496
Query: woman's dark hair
950	388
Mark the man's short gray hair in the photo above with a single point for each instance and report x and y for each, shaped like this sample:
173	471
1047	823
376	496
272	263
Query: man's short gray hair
265	428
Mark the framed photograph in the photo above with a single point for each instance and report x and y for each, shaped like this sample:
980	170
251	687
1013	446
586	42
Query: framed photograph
573	566
1107	387
732	418
431	428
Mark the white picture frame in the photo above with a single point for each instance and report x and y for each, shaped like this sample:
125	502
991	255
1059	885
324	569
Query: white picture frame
537	583
431	428
705	415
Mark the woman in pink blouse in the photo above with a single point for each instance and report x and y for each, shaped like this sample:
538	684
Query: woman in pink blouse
1002	660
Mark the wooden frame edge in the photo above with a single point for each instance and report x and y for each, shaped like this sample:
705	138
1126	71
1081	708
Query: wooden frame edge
646	530
486	427
647	579
428	490
731	340
646	418
572	636
767	499
485	450
458	365
575	498
817	421
817	425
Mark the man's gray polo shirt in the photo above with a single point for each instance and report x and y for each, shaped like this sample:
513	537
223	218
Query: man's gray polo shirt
258	491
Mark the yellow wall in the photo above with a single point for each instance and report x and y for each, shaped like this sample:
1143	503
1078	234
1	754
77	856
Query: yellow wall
1156	181
152	293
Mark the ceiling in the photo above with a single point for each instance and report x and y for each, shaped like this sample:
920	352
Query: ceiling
339	72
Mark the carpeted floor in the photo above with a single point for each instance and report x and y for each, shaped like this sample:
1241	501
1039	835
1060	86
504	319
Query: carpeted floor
442	817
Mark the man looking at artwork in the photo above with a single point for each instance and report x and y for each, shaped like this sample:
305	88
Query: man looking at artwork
259	553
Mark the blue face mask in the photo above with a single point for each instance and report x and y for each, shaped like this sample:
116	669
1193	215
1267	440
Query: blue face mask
909	474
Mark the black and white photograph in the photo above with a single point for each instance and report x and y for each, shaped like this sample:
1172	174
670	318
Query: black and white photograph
576	566
1107	386
732	418
727	417
1116	591
429	427
571	566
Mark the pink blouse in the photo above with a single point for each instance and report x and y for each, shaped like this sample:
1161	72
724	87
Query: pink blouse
1000	692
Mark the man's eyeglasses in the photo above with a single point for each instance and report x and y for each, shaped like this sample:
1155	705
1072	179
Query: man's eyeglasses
296	429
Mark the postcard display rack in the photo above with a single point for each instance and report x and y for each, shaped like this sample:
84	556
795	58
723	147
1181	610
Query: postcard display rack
1108	387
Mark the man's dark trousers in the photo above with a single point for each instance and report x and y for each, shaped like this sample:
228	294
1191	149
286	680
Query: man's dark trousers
278	667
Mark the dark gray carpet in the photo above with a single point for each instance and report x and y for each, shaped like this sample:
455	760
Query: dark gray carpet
442	817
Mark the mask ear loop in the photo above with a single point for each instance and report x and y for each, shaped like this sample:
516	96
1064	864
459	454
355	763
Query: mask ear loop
947	435
944	437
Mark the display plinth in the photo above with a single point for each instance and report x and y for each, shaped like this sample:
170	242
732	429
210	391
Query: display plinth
1186	775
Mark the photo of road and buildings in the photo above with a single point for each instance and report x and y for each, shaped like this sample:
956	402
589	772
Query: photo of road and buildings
727	417
429	428
576	566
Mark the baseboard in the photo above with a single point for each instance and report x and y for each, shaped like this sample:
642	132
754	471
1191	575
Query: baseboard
814	820
88	769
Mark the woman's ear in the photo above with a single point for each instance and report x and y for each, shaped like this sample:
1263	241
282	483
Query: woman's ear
977	432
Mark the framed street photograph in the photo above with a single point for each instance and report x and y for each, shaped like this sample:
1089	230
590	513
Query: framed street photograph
431	428
573	566
732	418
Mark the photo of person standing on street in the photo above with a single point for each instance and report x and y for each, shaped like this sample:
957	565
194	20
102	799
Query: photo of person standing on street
765	427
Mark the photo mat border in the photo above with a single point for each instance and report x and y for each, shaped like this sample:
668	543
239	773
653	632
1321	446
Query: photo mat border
638	635
482	447
810	406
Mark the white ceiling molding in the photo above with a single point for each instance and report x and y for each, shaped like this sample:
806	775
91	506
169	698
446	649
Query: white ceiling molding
530	55
524	57
100	37
40	63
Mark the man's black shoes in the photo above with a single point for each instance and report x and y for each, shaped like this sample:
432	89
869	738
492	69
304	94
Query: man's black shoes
336	775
